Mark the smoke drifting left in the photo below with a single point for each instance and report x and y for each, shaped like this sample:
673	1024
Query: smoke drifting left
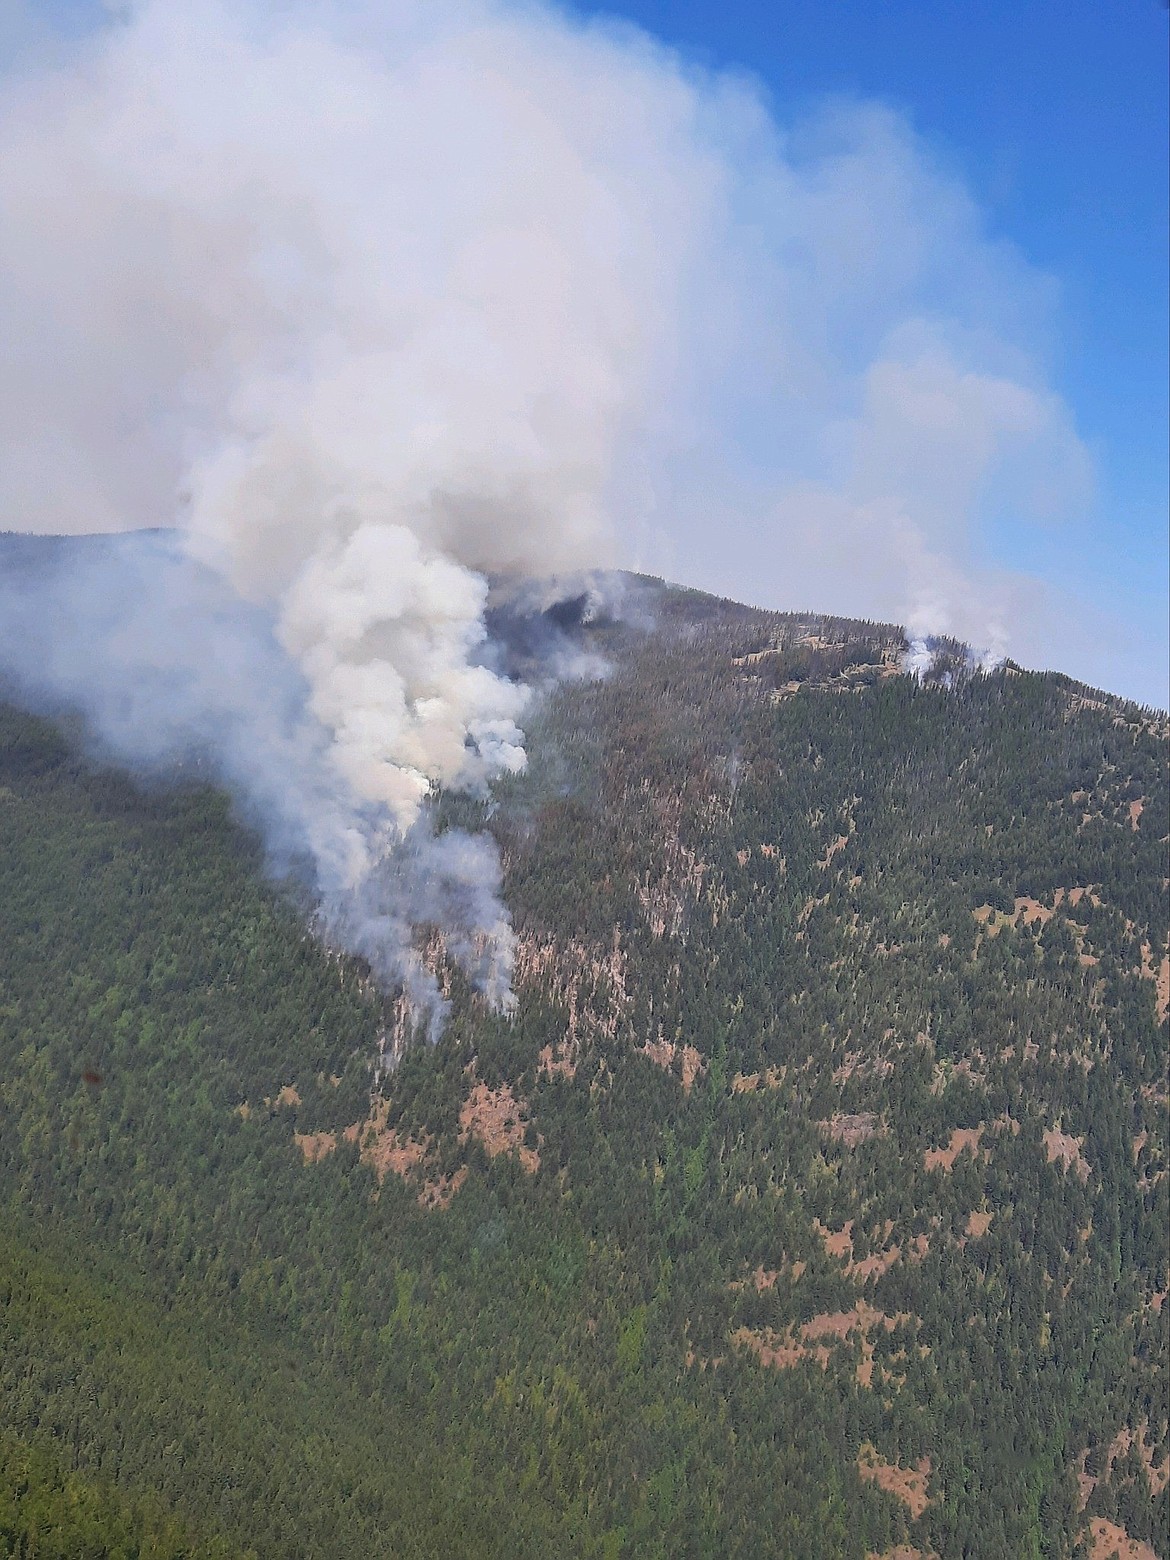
322	311
367	303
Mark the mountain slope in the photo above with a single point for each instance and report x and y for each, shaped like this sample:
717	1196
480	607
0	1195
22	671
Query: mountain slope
812	1203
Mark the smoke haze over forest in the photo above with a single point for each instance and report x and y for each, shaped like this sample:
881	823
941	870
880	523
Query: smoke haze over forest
372	301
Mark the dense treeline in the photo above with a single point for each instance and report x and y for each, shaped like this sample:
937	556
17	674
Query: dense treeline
839	1051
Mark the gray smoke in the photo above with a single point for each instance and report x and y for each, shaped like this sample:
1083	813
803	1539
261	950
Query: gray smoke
373	301
175	674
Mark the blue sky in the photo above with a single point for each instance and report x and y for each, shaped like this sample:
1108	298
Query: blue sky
1053	118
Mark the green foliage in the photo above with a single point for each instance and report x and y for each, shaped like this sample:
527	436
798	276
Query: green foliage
54	1515
778	947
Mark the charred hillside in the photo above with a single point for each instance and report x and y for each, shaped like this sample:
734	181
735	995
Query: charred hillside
812	1200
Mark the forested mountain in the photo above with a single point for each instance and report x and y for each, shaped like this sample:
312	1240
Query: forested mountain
812	1202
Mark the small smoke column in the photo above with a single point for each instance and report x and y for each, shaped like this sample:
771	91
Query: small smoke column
937	659
918	661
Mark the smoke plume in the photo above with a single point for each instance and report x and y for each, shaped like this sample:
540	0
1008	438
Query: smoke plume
372	299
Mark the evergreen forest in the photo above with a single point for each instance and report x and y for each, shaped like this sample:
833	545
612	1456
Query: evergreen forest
812	1202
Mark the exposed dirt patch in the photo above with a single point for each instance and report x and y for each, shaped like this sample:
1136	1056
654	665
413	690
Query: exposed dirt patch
383	1148
855	1063
437	1193
499	1121
779	1350
1030	912
850	1129
908	1484
700	1362
388	1152
839	1324
1076	894
676	880
287	1097
748	1083
836	845
1108	1539
1086	1483
1119	1447
963	1140
765	1278
560	1061
663	1052
817	1338
1159	1477
1135	812
877	1263
692	1066
589	982
1067	1149
838	1243
978	1224
315	1145
901	1552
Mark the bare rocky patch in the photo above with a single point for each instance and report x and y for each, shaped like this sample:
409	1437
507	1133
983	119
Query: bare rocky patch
663	1053
962	1140
816	1338
315	1145
383	1148
499	1121
749	1083
909	1485
1107	1540
851	1129
1063	1148
559	1061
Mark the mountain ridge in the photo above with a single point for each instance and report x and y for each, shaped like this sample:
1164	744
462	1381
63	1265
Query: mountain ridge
812	1202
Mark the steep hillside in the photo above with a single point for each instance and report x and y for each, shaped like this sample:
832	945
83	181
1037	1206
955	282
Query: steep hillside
813	1202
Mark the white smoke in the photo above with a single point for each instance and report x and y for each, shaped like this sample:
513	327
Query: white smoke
918	659
932	659
176	674
372	298
365	304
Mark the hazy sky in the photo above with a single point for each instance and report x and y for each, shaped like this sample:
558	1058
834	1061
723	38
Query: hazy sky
1055	114
936	242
